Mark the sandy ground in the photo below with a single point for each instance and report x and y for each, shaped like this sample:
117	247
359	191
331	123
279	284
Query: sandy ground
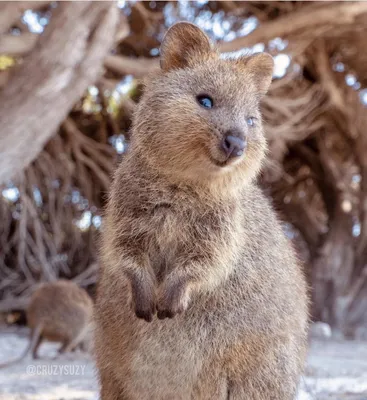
335	370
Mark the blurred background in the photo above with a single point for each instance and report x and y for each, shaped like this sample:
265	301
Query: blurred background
70	77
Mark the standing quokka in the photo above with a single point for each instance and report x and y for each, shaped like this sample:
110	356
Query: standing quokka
58	311
191	245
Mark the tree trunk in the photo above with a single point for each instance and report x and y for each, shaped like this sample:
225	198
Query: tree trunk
44	88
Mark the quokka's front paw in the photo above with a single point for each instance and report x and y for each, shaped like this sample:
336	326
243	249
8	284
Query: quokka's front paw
173	299
143	298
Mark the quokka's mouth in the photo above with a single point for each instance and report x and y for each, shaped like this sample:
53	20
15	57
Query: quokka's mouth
225	163
218	163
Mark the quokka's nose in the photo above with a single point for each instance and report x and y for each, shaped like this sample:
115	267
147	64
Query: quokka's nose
233	146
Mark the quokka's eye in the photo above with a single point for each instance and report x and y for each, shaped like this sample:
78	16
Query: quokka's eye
250	121
205	101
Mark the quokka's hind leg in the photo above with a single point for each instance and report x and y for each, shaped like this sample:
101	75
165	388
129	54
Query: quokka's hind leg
83	346
275	377
110	388
63	347
211	383
261	390
36	342
75	342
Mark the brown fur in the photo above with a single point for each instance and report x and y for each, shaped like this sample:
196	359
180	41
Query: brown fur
60	311
189	234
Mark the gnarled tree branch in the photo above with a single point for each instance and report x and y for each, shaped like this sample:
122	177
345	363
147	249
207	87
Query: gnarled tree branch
55	75
11	11
138	67
339	13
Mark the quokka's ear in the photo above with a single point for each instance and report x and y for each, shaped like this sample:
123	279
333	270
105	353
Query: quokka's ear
182	42
260	66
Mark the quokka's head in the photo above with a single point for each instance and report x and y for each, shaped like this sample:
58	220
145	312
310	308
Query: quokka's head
199	117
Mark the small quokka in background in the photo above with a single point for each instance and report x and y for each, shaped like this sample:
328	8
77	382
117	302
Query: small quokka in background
59	311
192	246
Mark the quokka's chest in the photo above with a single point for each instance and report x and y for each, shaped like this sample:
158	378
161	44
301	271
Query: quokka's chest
168	237
169	228
179	229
